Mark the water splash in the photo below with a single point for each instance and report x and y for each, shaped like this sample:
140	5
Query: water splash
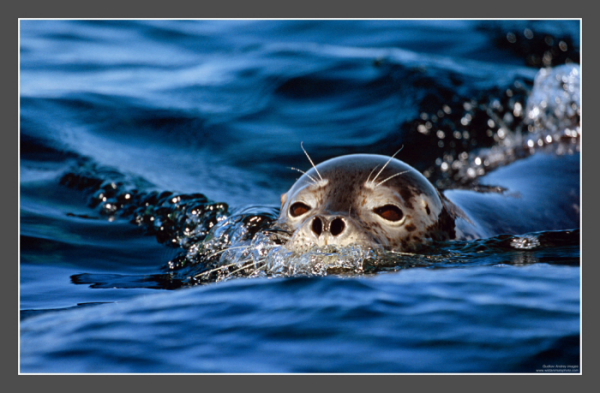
478	135
554	106
218	243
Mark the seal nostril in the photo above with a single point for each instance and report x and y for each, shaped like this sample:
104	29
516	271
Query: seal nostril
337	227
317	226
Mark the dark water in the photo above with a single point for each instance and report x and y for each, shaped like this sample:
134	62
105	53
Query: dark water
129	110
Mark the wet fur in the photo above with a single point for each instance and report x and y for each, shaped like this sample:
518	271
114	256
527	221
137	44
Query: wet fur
346	191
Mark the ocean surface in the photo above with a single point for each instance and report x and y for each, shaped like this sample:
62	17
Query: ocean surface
153	157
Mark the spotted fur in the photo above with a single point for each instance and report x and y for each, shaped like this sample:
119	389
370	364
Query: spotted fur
345	193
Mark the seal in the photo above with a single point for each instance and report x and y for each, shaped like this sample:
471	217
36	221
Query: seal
367	200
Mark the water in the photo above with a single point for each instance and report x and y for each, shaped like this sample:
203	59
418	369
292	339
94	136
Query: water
154	153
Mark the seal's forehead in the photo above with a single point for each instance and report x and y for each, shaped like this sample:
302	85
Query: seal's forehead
353	171
360	163
358	168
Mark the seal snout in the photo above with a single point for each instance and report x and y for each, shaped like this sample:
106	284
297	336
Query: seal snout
334	225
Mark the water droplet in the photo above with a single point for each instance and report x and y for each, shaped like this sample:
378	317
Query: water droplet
563	46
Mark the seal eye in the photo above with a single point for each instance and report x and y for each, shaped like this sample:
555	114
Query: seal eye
389	212
298	209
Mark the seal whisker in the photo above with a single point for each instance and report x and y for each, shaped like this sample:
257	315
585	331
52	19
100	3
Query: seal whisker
370	173
214	270
266	246
386	164
214	254
246	265
391	177
311	161
284	237
283	234
277	231
262	267
301	171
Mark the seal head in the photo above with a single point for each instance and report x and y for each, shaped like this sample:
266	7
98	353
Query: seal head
368	200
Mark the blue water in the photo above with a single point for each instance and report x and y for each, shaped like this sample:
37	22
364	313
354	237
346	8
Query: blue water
220	108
